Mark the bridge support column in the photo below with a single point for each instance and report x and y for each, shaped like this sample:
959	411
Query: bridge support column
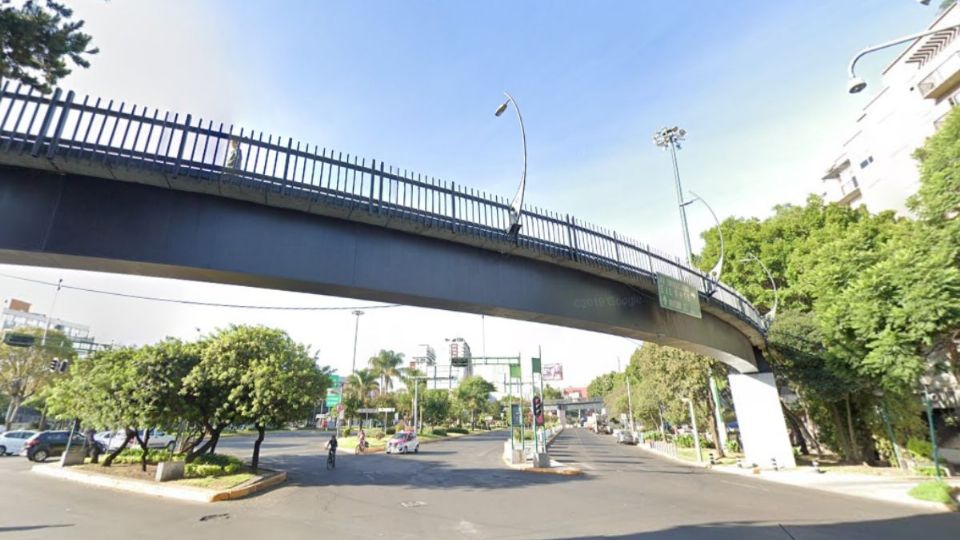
763	430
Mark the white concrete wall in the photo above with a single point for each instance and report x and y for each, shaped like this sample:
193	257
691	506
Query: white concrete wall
763	430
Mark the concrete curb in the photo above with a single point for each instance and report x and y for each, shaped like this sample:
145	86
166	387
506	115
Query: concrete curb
422	442
673	458
165	490
766	478
561	470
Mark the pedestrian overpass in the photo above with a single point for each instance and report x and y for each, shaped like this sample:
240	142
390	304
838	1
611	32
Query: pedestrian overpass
116	188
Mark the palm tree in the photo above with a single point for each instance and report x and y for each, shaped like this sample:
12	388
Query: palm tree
386	365
362	384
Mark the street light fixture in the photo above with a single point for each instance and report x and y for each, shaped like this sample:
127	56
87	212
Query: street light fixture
696	434
776	295
855	84
356	331
517	204
670	138
717	268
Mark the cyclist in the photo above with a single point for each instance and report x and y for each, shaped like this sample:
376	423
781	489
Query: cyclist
331	447
361	441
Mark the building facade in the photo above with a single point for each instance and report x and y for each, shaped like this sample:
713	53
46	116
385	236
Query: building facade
875	166
17	314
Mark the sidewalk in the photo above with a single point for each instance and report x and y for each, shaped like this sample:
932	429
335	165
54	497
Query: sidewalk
881	488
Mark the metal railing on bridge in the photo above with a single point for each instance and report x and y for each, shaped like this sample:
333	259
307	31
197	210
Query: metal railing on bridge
61	126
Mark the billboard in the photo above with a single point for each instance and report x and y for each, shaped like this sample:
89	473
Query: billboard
553	372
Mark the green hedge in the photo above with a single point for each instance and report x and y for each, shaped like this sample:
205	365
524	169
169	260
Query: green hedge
212	465
462	431
154	456
440	432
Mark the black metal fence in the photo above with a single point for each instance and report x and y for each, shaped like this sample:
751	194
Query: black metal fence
61	126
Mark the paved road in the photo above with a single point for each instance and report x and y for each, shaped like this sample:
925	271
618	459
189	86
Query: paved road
459	489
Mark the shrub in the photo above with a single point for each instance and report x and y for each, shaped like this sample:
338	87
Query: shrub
345	432
933	490
921	449
391	431
733	445
460	430
212	465
653	436
154	456
440	432
683	441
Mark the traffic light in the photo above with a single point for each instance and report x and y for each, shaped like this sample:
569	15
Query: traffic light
18	340
64	364
538	410
53	364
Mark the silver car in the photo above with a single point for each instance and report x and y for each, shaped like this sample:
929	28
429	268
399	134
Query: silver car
12	441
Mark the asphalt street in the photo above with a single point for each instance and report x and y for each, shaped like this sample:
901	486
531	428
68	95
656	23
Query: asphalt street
461	489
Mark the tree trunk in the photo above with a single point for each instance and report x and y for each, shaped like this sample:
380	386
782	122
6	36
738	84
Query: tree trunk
207	446
797	427
255	463
846	448
714	428
854	444
811	427
12	410
143	447
130	435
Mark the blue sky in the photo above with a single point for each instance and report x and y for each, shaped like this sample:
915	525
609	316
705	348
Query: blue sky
759	86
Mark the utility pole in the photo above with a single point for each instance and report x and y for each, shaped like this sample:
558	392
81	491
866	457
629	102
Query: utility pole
53	305
696	434
356	332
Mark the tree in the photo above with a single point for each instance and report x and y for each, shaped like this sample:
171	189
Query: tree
603	384
473	393
207	391
361	386
435	405
386	365
100	390
550	392
38	41
24	371
280	382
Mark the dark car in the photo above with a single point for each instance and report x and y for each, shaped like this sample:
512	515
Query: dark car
48	444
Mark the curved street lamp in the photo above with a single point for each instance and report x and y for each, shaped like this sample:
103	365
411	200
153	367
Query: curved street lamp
855	84
717	268
776	295
670	138
517	204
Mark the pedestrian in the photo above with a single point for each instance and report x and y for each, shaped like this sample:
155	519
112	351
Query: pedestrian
235	158
90	446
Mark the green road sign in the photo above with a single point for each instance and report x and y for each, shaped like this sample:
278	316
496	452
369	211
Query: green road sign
333	397
535	363
678	296
334	381
514	371
18	340
460	361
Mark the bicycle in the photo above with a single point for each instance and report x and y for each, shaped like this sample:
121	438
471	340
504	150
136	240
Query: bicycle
361	448
331	459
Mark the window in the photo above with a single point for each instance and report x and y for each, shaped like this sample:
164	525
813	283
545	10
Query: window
864	163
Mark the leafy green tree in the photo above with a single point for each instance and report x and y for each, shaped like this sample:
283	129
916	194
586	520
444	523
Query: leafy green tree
550	392
386	365
473	394
39	39
25	371
280	383
603	384
435	405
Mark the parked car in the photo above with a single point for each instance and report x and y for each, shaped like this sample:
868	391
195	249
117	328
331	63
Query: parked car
158	439
403	442
11	442
48	444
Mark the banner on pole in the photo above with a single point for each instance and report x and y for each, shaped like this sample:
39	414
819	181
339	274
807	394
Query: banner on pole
553	372
515	418
535	364
515	371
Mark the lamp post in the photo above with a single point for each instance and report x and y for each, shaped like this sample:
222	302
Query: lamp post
356	332
46	326
885	415
517	204
670	138
855	84
928	403
717	268
776	295
696	434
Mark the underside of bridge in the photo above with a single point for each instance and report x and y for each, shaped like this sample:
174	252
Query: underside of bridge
81	222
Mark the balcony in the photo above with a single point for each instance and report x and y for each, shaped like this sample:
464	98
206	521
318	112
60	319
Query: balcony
941	80
850	191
